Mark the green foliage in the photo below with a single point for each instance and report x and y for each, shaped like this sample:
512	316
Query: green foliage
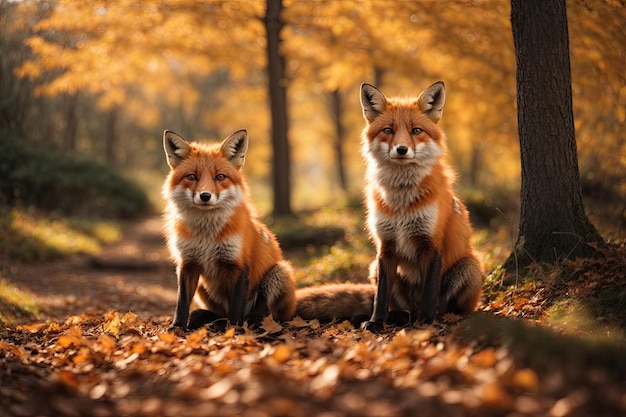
66	184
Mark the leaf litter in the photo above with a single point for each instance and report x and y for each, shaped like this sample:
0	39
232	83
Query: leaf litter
503	360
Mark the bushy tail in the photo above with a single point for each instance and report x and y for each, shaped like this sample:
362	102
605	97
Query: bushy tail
338	302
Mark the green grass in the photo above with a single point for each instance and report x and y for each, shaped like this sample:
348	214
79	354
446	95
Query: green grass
30	236
15	305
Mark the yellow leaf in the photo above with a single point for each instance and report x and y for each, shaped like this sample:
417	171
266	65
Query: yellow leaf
113	326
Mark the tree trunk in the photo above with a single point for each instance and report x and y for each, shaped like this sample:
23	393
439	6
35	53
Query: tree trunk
553	223
340	133
111	138
278	105
71	123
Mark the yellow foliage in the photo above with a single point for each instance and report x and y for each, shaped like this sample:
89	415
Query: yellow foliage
154	59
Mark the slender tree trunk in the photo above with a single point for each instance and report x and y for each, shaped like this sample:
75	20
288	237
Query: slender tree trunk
281	174
553	223
111	138
475	163
340	133
71	123
378	77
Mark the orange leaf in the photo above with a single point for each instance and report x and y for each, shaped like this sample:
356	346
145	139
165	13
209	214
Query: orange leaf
68	378
282	353
486	358
73	337
106	343
527	380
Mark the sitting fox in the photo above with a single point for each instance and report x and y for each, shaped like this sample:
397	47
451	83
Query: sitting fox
425	263
223	253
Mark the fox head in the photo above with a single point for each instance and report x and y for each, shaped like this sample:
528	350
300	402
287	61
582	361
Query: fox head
402	131
205	177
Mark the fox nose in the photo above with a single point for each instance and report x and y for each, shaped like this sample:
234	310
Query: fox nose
205	196
402	150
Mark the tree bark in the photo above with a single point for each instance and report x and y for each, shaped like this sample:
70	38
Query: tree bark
111	137
71	122
281	174
340	133
553	223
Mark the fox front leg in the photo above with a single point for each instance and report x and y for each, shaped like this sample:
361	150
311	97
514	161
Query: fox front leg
387	270
188	275
239	297
430	294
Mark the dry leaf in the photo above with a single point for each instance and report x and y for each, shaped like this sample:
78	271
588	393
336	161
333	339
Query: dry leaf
270	326
297	322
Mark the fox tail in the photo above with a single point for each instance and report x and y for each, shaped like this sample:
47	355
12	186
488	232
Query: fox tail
336	302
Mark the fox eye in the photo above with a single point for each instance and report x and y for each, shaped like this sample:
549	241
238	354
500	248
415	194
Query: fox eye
416	131
388	131
192	177
220	177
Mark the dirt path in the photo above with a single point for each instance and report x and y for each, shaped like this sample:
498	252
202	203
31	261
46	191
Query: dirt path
135	274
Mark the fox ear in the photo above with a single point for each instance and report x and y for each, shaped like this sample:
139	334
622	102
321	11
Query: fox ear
235	147
373	102
431	101
176	148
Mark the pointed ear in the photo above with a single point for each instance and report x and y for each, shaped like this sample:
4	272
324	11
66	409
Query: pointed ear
176	148
431	101
373	102
235	147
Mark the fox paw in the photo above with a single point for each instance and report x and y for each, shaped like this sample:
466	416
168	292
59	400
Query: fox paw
199	318
375	327
254	319
178	329
398	318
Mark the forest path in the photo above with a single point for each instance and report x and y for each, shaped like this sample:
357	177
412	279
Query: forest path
134	274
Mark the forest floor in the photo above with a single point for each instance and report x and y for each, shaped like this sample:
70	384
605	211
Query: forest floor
97	345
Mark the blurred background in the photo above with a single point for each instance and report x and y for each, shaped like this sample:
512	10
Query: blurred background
87	88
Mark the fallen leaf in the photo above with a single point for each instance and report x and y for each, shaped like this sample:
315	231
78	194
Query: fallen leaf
282	353
270	326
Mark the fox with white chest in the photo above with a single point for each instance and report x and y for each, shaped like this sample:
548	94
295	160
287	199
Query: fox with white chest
224	255
425	263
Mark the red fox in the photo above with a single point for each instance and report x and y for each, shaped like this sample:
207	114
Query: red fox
425	264
224	254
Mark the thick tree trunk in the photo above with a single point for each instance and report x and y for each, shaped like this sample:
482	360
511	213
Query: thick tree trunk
340	133
553	223
281	174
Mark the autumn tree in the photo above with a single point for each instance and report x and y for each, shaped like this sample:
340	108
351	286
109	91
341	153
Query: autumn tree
553	223
278	103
